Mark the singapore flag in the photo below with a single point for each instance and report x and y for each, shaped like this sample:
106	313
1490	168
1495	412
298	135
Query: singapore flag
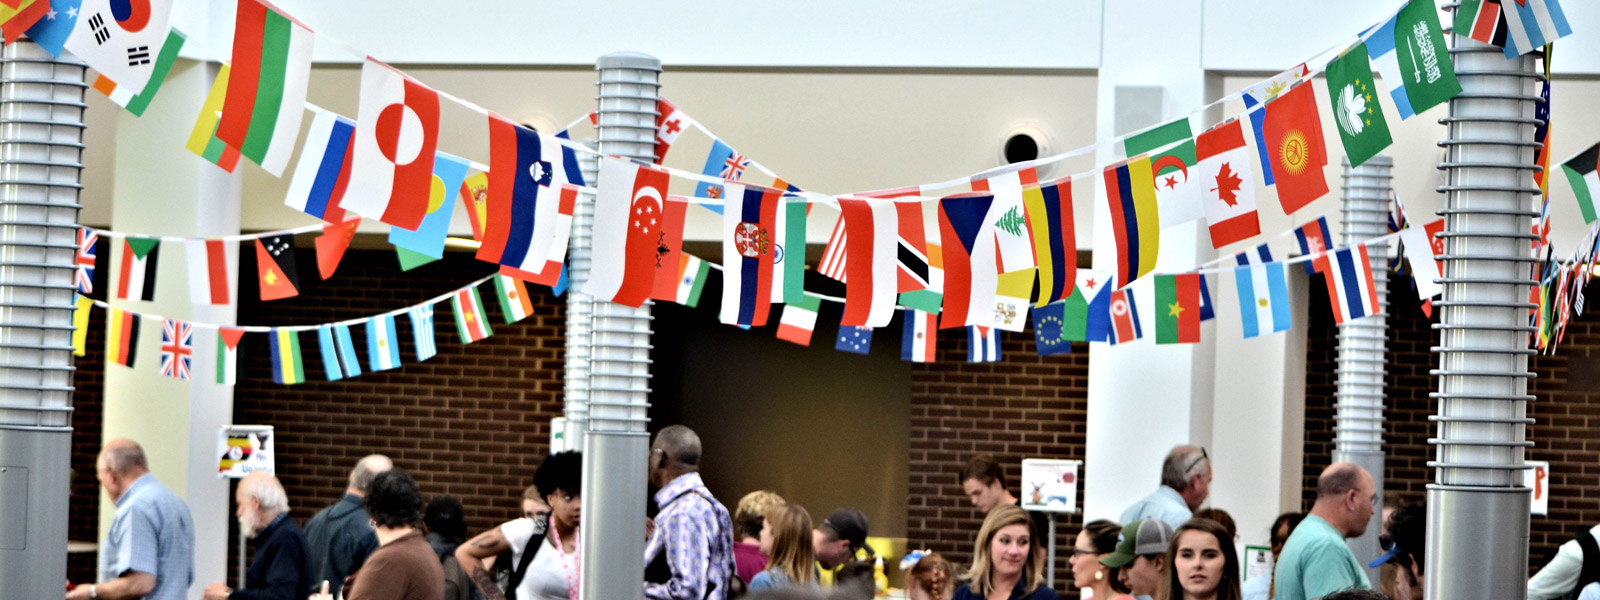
397	132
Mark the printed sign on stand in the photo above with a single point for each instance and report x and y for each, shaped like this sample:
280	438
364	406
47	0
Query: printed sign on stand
1537	479
1050	485
244	449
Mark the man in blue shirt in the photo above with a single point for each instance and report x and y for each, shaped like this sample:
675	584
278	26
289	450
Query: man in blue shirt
281	569
1315	561
1185	483
149	550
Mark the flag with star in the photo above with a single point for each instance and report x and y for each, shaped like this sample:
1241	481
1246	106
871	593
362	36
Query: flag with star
1178	308
275	266
1177	194
853	339
470	320
422	331
1050	329
1355	105
383	344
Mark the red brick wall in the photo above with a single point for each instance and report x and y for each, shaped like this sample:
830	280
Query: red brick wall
83	507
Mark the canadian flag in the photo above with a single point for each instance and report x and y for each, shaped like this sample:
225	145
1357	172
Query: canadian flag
873	241
669	125
397	132
627	224
1227	189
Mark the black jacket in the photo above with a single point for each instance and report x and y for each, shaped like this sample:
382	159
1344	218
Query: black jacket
339	538
281	569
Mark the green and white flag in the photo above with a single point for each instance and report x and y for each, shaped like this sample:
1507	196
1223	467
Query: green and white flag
1177	196
1355	106
1581	172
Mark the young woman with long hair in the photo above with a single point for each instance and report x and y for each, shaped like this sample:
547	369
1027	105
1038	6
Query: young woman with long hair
786	540
1007	563
1203	564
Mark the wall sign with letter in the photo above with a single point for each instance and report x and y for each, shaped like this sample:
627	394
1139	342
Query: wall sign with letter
1537	480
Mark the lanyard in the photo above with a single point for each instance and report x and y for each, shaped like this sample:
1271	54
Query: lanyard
570	568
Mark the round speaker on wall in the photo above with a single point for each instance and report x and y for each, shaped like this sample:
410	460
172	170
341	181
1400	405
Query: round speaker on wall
1024	143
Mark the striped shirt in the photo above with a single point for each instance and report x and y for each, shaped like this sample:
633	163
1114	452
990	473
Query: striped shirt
696	533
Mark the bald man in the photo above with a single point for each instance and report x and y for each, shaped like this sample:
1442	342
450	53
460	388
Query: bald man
149	550
1315	561
281	569
340	537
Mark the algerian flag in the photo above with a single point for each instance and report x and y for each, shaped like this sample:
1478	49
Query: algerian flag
1177	195
1355	106
1581	173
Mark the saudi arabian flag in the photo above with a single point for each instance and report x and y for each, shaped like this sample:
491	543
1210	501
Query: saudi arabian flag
1581	172
1355	106
1179	198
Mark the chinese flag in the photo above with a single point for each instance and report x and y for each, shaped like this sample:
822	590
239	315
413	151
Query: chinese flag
1293	135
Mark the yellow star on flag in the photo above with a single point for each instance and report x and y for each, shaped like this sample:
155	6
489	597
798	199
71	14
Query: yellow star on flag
1175	309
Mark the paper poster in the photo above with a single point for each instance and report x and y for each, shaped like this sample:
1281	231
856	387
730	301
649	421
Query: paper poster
1537	480
1050	485
1257	562
244	449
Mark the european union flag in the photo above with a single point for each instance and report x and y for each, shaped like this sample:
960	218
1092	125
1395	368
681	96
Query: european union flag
1049	329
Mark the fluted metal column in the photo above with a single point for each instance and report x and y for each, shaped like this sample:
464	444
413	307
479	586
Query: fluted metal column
580	308
41	166
1358	420
1477	507
617	444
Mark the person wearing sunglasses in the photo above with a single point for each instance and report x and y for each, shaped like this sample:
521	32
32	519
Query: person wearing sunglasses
1185	483
1404	546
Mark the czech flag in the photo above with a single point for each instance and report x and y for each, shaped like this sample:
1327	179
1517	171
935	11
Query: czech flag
1135	218
970	276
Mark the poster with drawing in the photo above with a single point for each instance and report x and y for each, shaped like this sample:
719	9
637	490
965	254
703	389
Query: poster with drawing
1050	485
244	449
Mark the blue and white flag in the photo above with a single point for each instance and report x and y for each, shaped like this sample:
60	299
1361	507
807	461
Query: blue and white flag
857	340
1531	24
383	346
338	352
722	162
983	344
422	331
1261	254
1263	298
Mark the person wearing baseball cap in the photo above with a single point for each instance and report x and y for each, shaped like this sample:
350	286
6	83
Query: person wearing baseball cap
839	537
1141	556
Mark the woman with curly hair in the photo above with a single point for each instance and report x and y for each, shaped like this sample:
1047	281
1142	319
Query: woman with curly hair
403	567
544	559
932	578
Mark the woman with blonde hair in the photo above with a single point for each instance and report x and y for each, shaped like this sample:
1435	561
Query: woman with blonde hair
1006	561
786	540
1202	564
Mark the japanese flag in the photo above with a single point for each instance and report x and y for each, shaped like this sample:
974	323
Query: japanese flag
397	133
627	226
120	38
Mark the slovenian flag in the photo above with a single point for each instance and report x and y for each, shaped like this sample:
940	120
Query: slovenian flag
873	232
1263	298
1350	287
527	172
1135	217
969	259
748	227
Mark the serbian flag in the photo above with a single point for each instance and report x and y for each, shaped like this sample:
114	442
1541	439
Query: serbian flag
1293	133
670	123
1055	245
1135	217
1314	239
749	222
873	233
1350	287
397	134
526	170
627	225
969	259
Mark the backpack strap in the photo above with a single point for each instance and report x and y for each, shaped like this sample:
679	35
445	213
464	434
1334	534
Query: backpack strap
1591	560
537	541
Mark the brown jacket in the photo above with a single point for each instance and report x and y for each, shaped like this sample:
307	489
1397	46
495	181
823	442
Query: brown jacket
404	569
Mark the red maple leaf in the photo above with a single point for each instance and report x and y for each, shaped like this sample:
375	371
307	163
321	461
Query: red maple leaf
1227	185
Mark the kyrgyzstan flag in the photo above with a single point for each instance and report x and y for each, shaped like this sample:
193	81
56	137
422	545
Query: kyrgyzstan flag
627	227
1292	130
970	274
749	224
872	239
1227	190
397	133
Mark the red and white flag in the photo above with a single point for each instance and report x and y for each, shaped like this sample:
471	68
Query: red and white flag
397	133
873	240
627	226
670	123
1227	190
1010	223
211	270
1423	247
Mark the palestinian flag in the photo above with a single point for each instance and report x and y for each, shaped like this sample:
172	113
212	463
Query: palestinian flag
267	89
1581	173
137	274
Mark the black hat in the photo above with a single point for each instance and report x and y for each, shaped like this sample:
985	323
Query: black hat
850	525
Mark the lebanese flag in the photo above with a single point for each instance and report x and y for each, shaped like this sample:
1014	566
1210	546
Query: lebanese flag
670	123
211	270
1293	133
969	259
1010	230
749	227
872	234
397	133
627	226
1226	187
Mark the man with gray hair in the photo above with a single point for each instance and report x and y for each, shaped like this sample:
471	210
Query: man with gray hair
340	537
690	554
149	550
281	569
1185	483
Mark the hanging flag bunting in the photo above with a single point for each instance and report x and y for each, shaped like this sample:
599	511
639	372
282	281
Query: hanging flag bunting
669	247
428	238
471	323
137	100
137	279
552	237
1541	132
748	227
1350	287
1583	173
228	354
969	259
1010	224
856	340
120	38
983	344
1261	254
1178	308
287	368
80	325
872	231
333	242
1263	298
276	268
122	337
1135	220
832	263
383	345
475	200
670	123
1531	24
422	331
627	226
1050	330
527	173
1314	239
1422	247
1055	245
323	173
722	162
927	301
788	276
691	280
83	276
1481	20
1410	54
1227	191
799	320
1207	311
1356	114
1013	293
203	141
1177	193
338	352
1293	129
515	305
212	264
1260	94
397	135
16	16
50	32
1125	324
267	89
919	270
919	336
1087	312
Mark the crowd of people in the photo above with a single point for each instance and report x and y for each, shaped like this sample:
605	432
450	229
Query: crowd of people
381	541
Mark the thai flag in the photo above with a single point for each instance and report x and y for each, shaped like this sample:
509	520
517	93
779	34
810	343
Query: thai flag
872	230
526	176
1314	239
84	276
970	278
1350	287
748	227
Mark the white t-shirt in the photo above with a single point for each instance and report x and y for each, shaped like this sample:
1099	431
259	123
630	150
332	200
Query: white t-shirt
546	578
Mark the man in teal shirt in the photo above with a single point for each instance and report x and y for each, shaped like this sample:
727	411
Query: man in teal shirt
1315	561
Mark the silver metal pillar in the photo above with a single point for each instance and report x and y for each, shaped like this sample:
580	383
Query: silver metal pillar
617	444
1477	507
41	165
580	308
1358	420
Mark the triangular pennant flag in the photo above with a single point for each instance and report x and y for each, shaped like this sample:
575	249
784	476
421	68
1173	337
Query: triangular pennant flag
137	279
333	242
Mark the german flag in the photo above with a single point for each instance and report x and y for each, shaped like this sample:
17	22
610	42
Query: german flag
122	341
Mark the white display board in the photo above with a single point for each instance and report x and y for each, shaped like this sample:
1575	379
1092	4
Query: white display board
1050	485
1537	479
244	449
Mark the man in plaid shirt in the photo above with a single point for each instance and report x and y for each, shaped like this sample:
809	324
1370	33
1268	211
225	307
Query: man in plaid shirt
690	554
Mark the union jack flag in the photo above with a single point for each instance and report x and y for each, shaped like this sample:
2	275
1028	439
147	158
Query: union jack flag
84	278
733	168
177	348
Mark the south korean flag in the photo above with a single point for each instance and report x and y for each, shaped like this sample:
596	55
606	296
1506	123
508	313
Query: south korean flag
121	38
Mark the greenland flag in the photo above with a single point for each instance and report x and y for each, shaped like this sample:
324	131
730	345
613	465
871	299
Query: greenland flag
872	234
627	225
397	133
